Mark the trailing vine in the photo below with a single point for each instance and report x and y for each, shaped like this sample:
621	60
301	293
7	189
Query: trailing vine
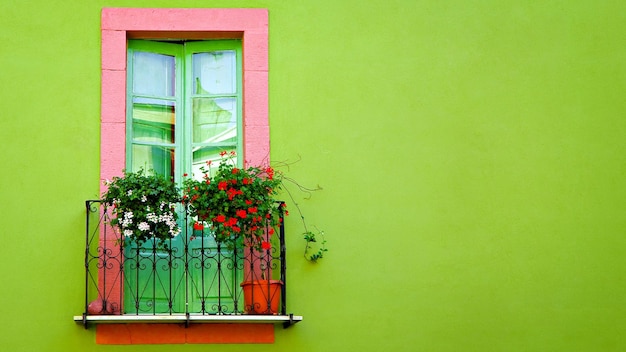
312	252
310	237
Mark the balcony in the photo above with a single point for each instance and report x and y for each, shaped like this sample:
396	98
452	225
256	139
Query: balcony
188	279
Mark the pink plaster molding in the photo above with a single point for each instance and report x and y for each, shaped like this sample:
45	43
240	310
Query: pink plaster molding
251	25
113	42
119	24
178	19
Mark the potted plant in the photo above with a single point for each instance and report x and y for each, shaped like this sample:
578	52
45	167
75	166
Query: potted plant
237	205
143	207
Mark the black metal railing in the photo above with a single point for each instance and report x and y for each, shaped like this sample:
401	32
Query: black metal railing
188	274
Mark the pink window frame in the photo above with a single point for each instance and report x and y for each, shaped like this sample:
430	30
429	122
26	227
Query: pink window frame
120	24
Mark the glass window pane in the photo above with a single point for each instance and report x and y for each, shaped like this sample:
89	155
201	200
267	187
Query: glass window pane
154	74
214	72
157	158
214	120
202	155
153	120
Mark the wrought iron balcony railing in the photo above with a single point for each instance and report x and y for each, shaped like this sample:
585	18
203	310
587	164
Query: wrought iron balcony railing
187	277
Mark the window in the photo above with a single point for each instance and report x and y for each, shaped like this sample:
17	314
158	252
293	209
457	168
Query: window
184	109
183	104
250	27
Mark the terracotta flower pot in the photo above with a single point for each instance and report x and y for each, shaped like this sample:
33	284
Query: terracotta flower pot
261	296
98	307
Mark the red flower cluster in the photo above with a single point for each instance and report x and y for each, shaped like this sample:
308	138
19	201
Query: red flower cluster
232	192
237	202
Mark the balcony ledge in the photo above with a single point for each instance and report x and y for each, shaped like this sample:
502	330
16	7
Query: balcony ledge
286	320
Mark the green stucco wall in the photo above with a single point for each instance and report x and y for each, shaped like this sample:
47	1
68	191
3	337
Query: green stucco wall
472	155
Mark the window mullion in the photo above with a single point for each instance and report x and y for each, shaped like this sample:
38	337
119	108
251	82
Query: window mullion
181	118
186	118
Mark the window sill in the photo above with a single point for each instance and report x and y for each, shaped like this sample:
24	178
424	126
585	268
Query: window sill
286	320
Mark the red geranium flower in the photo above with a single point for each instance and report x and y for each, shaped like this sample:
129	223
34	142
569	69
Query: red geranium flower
233	192
266	245
235	199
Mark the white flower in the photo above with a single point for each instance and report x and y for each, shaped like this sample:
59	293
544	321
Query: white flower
144	198
152	217
143	226
128	233
130	192
174	231
127	219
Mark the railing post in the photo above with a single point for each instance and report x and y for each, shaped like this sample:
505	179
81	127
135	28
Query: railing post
87	212
283	261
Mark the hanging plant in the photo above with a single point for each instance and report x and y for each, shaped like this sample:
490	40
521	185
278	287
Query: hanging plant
143	206
236	204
